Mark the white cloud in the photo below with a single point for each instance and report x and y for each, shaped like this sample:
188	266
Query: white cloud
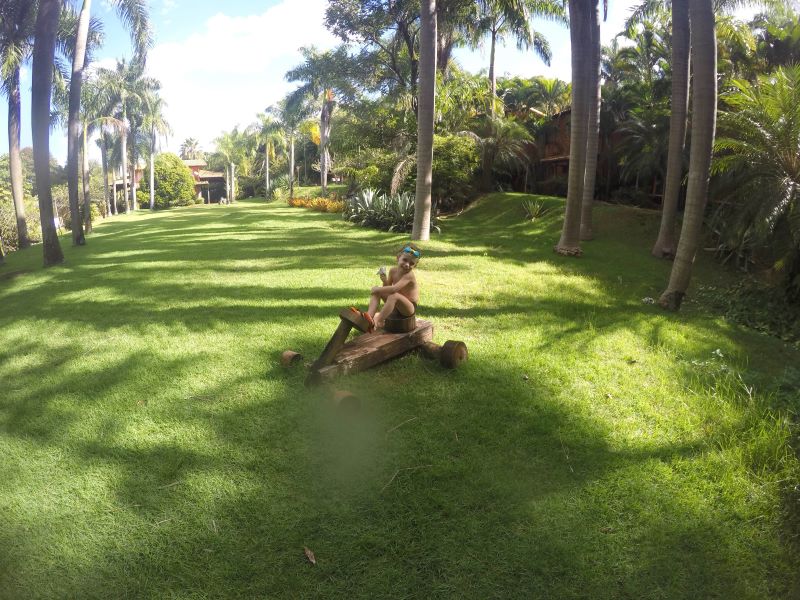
234	67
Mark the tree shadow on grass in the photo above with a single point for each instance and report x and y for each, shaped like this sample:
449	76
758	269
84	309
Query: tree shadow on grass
481	494
496	487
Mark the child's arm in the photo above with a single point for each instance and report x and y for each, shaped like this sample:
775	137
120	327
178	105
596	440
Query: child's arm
396	287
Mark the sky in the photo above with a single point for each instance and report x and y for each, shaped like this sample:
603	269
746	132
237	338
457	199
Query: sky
221	63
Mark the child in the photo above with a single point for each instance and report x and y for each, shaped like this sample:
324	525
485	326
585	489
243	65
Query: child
399	290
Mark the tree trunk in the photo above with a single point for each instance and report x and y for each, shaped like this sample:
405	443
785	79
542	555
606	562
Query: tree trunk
426	108
665	244
15	161
227	182
134	166
152	169
74	124
580	38
104	162
593	83
41	88
233	182
492	77
291	166
124	141
87	201
266	169
324	136
704	105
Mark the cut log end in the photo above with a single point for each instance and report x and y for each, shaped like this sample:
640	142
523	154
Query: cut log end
453	353
290	358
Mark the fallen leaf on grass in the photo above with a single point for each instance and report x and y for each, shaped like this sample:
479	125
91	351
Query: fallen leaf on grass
310	555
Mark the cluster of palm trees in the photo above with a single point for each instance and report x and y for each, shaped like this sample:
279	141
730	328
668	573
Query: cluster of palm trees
119	104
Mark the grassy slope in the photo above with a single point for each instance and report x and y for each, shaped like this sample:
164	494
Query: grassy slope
593	447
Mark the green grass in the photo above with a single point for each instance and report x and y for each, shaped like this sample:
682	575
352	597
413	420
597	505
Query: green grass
593	446
313	191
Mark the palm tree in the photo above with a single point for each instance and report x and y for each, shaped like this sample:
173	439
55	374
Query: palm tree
133	14
704	105
143	90
501	141
426	102
290	114
580	34
321	73
593	84
268	130
190	149
17	19
154	122
503	17
679	107
41	87
760	152
125	85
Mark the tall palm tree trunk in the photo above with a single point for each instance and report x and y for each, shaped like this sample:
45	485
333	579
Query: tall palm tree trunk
580	38
74	124
704	113
593	83
124	142
152	169
41	88
87	201
324	136
665	243
15	161
492	76
291	166
134	166
425	114
104	162
266	169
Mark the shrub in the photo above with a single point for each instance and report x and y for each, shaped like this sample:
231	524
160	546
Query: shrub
278	188
534	209
455	164
174	184
329	205
370	208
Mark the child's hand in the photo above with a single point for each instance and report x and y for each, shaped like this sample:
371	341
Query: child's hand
376	289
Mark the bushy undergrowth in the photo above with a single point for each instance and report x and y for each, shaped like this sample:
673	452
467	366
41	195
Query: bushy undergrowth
758	306
174	184
330	205
372	208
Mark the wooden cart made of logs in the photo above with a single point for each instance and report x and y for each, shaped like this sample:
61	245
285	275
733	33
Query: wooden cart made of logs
399	335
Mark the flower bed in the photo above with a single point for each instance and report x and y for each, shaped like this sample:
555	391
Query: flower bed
329	205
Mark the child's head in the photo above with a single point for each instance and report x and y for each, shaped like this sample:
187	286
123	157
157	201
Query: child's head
408	257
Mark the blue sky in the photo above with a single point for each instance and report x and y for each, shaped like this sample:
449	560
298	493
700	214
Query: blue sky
220	63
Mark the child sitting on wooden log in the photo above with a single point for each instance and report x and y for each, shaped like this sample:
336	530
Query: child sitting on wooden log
399	290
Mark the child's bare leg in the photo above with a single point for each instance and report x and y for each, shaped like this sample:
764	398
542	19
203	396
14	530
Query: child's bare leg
374	303
403	305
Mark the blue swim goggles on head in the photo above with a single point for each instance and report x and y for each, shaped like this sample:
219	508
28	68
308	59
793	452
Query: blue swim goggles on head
410	250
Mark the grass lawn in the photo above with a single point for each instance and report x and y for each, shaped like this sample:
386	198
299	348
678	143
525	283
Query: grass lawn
593	446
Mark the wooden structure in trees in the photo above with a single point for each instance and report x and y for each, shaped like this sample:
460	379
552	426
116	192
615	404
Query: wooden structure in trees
401	335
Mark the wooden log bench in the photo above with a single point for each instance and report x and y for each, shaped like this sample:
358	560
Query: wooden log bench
341	357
